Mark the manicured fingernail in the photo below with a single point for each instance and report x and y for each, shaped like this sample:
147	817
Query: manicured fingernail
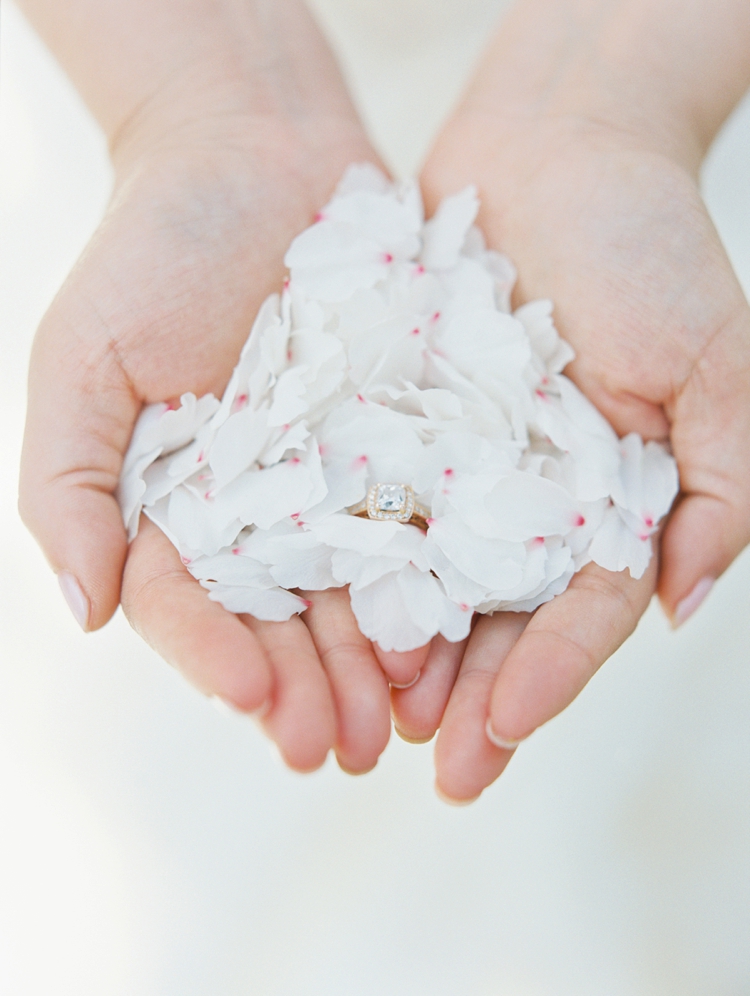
409	684
75	597
498	741
690	602
444	797
356	771
413	740
227	708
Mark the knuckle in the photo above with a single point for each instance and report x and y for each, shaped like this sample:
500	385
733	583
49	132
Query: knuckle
142	592
342	653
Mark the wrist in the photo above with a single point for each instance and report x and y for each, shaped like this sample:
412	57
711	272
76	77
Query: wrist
666	72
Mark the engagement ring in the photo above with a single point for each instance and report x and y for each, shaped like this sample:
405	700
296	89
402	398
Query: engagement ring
392	502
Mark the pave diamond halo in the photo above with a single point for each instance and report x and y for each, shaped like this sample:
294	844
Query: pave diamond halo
392	502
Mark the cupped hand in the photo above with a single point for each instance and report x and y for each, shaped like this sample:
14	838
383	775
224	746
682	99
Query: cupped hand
610	225
160	304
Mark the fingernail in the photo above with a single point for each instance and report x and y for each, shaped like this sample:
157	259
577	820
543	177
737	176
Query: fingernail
498	741
690	602
356	771
74	595
409	684
444	797
227	708
412	740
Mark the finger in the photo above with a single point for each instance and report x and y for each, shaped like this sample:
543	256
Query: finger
360	688
80	415
418	710
402	669
710	433
208	645
465	760
565	643
302	717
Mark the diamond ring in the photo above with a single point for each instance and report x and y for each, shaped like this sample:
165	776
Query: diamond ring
392	502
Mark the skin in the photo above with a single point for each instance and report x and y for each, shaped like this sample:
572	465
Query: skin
229	127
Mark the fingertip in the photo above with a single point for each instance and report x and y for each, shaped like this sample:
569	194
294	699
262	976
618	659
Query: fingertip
402	668
451	800
700	541
83	538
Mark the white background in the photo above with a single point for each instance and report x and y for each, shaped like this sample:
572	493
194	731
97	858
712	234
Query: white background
150	846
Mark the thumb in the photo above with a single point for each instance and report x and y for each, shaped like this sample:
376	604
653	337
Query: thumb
711	441
80	416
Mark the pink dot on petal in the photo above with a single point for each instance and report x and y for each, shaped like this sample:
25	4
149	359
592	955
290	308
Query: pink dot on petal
430	522
580	521
643	537
235	550
185	560
201	457
464	607
649	521
320	216
295	515
420	269
449	472
540	394
387	257
361	398
307	603
415	331
294	461
436	316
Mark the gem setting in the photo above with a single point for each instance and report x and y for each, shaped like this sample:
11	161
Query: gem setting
390	502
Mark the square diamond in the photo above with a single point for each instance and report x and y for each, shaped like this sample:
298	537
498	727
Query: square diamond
390	497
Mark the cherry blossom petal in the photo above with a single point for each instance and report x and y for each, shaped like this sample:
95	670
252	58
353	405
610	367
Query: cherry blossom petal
383	615
494	564
616	547
271	604
348	532
238	444
445	233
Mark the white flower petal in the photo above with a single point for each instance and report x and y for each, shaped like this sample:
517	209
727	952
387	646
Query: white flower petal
269	604
238	444
349	532
132	488
232	569
616	547
383	616
446	231
494	564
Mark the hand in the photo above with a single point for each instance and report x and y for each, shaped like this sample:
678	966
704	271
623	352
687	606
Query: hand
209	192
608	222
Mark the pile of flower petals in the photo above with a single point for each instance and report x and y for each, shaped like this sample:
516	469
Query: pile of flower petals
392	356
